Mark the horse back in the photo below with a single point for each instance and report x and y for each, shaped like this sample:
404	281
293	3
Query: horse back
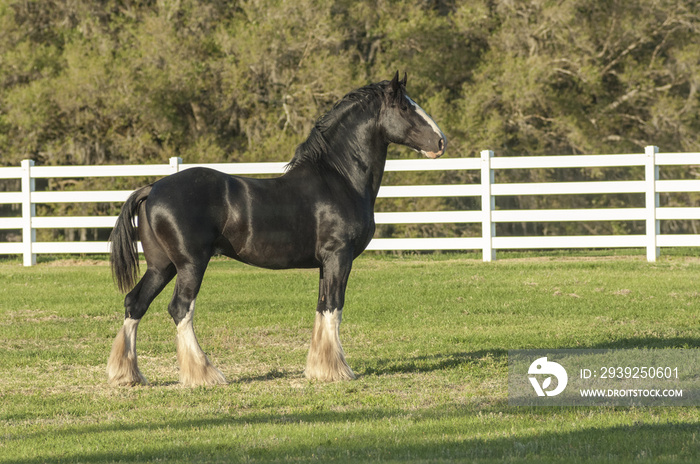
283	222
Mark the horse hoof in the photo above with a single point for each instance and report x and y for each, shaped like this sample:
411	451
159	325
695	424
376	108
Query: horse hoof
122	366
326	359
206	375
330	376
341	371
128	380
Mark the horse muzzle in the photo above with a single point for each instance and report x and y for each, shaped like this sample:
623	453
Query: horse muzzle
442	145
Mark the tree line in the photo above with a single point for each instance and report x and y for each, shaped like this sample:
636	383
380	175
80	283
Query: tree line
119	81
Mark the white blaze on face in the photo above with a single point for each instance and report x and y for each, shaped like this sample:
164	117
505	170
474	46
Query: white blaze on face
421	112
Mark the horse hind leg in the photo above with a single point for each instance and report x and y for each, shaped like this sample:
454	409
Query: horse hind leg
195	367
122	365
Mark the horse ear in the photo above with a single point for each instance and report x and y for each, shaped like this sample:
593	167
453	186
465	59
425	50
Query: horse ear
395	84
405	77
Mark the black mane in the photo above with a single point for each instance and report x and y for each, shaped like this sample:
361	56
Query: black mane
316	149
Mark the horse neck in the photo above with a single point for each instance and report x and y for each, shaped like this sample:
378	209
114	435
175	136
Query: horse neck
359	156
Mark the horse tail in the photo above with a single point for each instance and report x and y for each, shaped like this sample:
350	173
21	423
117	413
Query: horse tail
124	255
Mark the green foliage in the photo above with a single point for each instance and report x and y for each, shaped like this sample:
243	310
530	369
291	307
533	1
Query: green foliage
86	82
586	77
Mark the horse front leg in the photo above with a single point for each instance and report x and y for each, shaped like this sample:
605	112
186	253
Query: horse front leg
326	359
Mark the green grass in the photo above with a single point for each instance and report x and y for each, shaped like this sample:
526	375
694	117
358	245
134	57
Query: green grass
427	335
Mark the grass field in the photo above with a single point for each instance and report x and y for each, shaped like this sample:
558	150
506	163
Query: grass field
427	336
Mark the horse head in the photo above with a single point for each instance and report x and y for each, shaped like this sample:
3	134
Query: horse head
406	123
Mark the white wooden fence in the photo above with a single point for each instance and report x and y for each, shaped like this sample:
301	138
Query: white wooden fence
488	190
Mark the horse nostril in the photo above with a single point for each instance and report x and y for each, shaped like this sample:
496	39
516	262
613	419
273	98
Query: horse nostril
441	144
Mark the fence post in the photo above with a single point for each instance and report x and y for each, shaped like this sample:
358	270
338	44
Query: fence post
653	228
175	163
488	204
28	212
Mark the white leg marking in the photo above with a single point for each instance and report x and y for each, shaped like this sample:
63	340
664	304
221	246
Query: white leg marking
326	360
195	367
122	367
130	328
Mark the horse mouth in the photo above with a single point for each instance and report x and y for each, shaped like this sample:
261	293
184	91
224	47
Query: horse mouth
432	154
442	144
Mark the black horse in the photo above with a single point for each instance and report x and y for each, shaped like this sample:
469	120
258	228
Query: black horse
319	214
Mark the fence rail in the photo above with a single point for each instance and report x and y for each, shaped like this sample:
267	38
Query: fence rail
487	190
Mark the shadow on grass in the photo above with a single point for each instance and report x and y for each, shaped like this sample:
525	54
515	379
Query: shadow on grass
479	358
436	362
448	433
270	375
461	434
